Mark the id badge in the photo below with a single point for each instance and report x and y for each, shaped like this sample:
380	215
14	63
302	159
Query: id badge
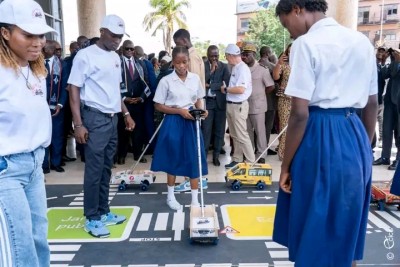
123	88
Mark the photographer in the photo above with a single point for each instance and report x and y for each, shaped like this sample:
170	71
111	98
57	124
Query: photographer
390	110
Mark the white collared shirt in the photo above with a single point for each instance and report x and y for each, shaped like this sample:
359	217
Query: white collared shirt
332	67
126	60
173	92
240	76
98	74
25	120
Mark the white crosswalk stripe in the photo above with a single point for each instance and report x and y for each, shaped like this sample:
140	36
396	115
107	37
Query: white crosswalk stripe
62	253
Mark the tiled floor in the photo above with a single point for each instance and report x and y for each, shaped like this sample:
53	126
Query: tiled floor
74	170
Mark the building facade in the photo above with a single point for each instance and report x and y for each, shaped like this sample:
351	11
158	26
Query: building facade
371	19
381	26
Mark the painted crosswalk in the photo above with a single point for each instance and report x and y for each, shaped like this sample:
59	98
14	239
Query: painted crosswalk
181	265
60	255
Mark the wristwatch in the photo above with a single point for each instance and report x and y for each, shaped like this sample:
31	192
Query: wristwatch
126	114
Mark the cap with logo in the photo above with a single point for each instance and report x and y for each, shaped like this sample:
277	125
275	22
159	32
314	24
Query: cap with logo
114	24
249	47
26	14
232	49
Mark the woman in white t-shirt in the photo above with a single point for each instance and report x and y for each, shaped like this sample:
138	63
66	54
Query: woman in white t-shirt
176	149
325	181
25	124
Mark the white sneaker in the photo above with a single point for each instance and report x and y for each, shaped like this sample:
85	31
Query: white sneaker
173	204
185	185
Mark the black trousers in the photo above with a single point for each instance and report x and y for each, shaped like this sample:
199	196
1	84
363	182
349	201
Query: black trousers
136	137
390	129
213	127
99	151
269	123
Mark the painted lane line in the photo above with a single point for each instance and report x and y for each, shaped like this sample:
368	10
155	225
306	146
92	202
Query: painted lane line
150	239
143	265
187	192
61	257
216	265
64	247
126	193
388	217
369	226
369	232
51	198
78	203
74	195
273	245
378	222
106	266
284	263
188	206
178	224
144	222
148	193
180	265
276	191
216	192
396	213
161	222
78	199
279	254
259	197
268	191
238	192
164	193
253	265
61	265
260	192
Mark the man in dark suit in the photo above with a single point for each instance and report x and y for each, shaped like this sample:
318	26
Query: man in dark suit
134	92
216	73
56	82
390	111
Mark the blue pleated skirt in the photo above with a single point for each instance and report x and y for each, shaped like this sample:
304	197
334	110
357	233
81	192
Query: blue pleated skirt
176	149
323	222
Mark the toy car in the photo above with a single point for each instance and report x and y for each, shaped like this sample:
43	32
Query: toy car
380	194
248	174
125	178
204	229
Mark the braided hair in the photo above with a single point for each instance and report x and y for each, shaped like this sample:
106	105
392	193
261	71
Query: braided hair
8	60
286	6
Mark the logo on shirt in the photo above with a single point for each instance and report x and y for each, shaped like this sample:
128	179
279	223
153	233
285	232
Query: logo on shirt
117	64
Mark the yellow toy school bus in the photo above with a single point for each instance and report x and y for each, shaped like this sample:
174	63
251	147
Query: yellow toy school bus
259	175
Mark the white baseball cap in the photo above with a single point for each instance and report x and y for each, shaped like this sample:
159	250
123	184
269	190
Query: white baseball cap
232	49
114	24
167	58
26	14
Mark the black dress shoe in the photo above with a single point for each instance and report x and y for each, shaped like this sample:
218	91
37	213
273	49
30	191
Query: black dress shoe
222	152
381	161
62	163
68	159
216	162
121	161
46	171
57	168
271	152
393	166
262	161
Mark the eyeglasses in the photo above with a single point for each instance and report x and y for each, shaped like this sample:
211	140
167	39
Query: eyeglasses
58	49
129	49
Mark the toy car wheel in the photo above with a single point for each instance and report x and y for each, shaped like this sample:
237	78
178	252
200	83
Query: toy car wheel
122	187
260	185
236	186
144	187
146	182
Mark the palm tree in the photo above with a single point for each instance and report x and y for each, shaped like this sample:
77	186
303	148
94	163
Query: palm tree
166	14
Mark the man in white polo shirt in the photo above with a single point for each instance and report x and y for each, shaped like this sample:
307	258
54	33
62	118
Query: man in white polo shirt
237	108
95	99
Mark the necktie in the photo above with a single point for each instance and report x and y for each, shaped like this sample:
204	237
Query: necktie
130	68
47	65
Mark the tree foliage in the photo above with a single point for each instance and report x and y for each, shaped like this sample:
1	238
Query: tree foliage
166	14
266	29
202	47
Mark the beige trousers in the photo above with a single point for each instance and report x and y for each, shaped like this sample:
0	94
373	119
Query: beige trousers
236	115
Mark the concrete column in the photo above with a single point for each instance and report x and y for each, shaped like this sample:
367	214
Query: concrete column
90	14
344	11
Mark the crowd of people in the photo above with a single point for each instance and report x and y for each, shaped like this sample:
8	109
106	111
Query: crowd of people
113	97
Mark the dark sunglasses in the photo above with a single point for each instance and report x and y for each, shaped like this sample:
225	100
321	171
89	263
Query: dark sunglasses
58	49
129	49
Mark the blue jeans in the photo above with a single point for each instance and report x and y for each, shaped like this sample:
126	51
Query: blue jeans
23	207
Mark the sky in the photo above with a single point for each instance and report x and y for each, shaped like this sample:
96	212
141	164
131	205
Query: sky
213	20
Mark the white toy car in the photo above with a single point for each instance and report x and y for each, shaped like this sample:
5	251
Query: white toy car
125	178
